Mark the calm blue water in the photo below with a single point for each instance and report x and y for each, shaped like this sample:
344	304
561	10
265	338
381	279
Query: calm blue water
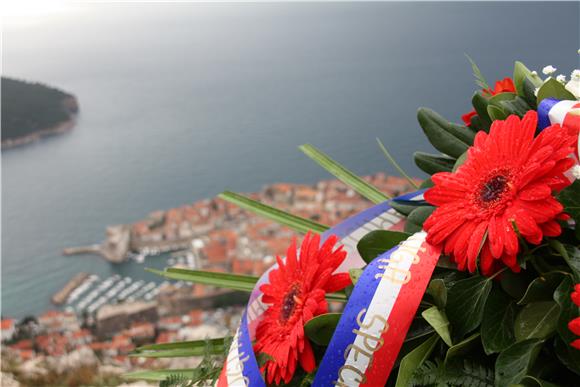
180	102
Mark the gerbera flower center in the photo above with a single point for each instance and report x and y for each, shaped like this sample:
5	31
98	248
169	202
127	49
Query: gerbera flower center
493	189
289	303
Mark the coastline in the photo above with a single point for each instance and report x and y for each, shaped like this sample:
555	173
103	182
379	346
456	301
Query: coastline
175	229
60	128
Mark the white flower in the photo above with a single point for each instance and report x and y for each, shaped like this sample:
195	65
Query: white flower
575	74
561	78
576	171
574	87
549	70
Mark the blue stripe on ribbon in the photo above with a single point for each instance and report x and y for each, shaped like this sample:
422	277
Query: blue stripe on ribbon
361	297
544	112
349	225
250	368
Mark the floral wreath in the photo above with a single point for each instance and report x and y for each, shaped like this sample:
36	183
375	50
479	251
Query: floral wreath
474	279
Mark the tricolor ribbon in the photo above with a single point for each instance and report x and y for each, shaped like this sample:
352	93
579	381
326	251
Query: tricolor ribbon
552	111
566	113
376	317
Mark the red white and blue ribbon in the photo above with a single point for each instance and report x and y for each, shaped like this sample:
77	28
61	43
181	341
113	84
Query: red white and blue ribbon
382	306
553	111
566	113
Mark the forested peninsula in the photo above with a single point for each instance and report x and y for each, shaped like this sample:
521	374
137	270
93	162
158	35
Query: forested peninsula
33	110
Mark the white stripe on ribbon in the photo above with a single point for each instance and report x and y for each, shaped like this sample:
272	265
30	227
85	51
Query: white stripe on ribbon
382	222
382	304
234	365
558	111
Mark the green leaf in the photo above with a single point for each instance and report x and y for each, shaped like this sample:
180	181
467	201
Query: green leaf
294	222
448	138
537	320
438	320
467	372
554	89
432	164
480	103
427	183
505	96
497	323
354	275
513	284
172	353
514	363
463	348
419	329
570	198
321	328
521	72
479	79
416	219
403	208
517	106
214	345
347	177
158	375
438	291
377	242
465	303
460	161
230	281
530	93
571	255
542	288
569	311
496	113
413	360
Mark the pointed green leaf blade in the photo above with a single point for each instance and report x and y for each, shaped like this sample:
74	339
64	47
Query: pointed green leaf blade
356	183
438	320
294	222
158	375
222	280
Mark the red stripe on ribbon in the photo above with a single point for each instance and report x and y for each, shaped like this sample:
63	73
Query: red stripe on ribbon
401	317
223	379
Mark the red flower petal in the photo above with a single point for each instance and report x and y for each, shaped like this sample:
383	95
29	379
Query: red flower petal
509	177
295	294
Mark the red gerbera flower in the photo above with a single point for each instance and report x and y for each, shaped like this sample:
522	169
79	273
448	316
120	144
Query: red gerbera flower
575	296
506	85
508	179
296	293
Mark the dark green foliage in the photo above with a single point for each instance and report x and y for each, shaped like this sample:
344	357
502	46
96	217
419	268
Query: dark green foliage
30	107
377	242
465	303
433	163
460	373
446	137
570	198
417	217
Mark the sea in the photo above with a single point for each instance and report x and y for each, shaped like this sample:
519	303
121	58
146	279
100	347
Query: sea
179	102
